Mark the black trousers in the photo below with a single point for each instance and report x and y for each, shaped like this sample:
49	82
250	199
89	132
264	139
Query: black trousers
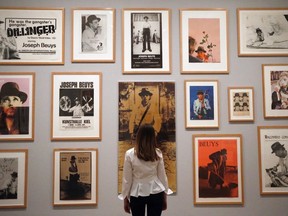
154	204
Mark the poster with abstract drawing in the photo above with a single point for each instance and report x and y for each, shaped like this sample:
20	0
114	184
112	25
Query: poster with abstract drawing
273	146
218	169
262	32
158	98
275	90
203	41
241	103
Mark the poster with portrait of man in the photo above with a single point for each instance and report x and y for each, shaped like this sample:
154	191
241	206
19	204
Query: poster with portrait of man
148	103
16	106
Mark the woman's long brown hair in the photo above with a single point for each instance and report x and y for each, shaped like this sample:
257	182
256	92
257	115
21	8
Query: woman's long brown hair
146	143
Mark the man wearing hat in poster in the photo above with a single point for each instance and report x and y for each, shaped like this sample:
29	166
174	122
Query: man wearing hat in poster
12	121
91	40
146	34
201	106
201	54
145	113
282	167
10	187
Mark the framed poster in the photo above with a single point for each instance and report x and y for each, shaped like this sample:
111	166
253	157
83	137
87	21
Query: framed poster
262	32
17	105
148	103
75	177
201	104
13	178
204	41
32	36
146	41
93	35
241	104
273	145
76	106
275	90
218	175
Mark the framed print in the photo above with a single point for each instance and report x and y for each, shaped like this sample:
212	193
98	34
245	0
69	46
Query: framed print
273	145
13	178
32	36
146	41
93	35
204	41
241	103
201	104
262	31
275	90
75	177
17	105
76	106
148	103
218	175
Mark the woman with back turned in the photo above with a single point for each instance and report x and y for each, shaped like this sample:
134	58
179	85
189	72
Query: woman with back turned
144	179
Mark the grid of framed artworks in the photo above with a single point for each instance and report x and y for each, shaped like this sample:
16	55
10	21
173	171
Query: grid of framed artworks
37	38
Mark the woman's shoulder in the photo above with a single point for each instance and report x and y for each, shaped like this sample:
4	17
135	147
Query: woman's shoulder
130	151
159	152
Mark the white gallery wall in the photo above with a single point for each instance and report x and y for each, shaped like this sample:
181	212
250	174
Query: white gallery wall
244	71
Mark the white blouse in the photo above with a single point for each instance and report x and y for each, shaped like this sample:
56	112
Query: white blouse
142	178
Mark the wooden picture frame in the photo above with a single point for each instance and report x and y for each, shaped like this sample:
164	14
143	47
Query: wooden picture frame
158	98
75	180
275	85
76	106
241	104
262	31
218	182
13	181
204	41
87	46
17	100
146	43
32	36
210	115
272	142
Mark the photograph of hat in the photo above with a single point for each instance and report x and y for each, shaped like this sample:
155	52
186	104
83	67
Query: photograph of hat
12	89
276	146
200	92
145	91
91	18
200	49
145	17
73	157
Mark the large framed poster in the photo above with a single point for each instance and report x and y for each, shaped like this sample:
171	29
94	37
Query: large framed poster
17	92
13	178
146	41
204	41
32	36
93	35
218	175
148	103
275	90
75	177
201	104
273	145
76	106
262	31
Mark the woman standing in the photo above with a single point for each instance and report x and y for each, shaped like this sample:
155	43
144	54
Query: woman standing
144	179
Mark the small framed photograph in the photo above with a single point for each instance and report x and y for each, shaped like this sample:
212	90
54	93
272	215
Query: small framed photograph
93	35
148	103
201	104
273	145
17	92
218	175
262	32
146	41
204	41
76	106
13	178
31	36
241	103
275	90
75	177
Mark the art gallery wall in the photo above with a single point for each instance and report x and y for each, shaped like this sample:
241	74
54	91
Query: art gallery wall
244	71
